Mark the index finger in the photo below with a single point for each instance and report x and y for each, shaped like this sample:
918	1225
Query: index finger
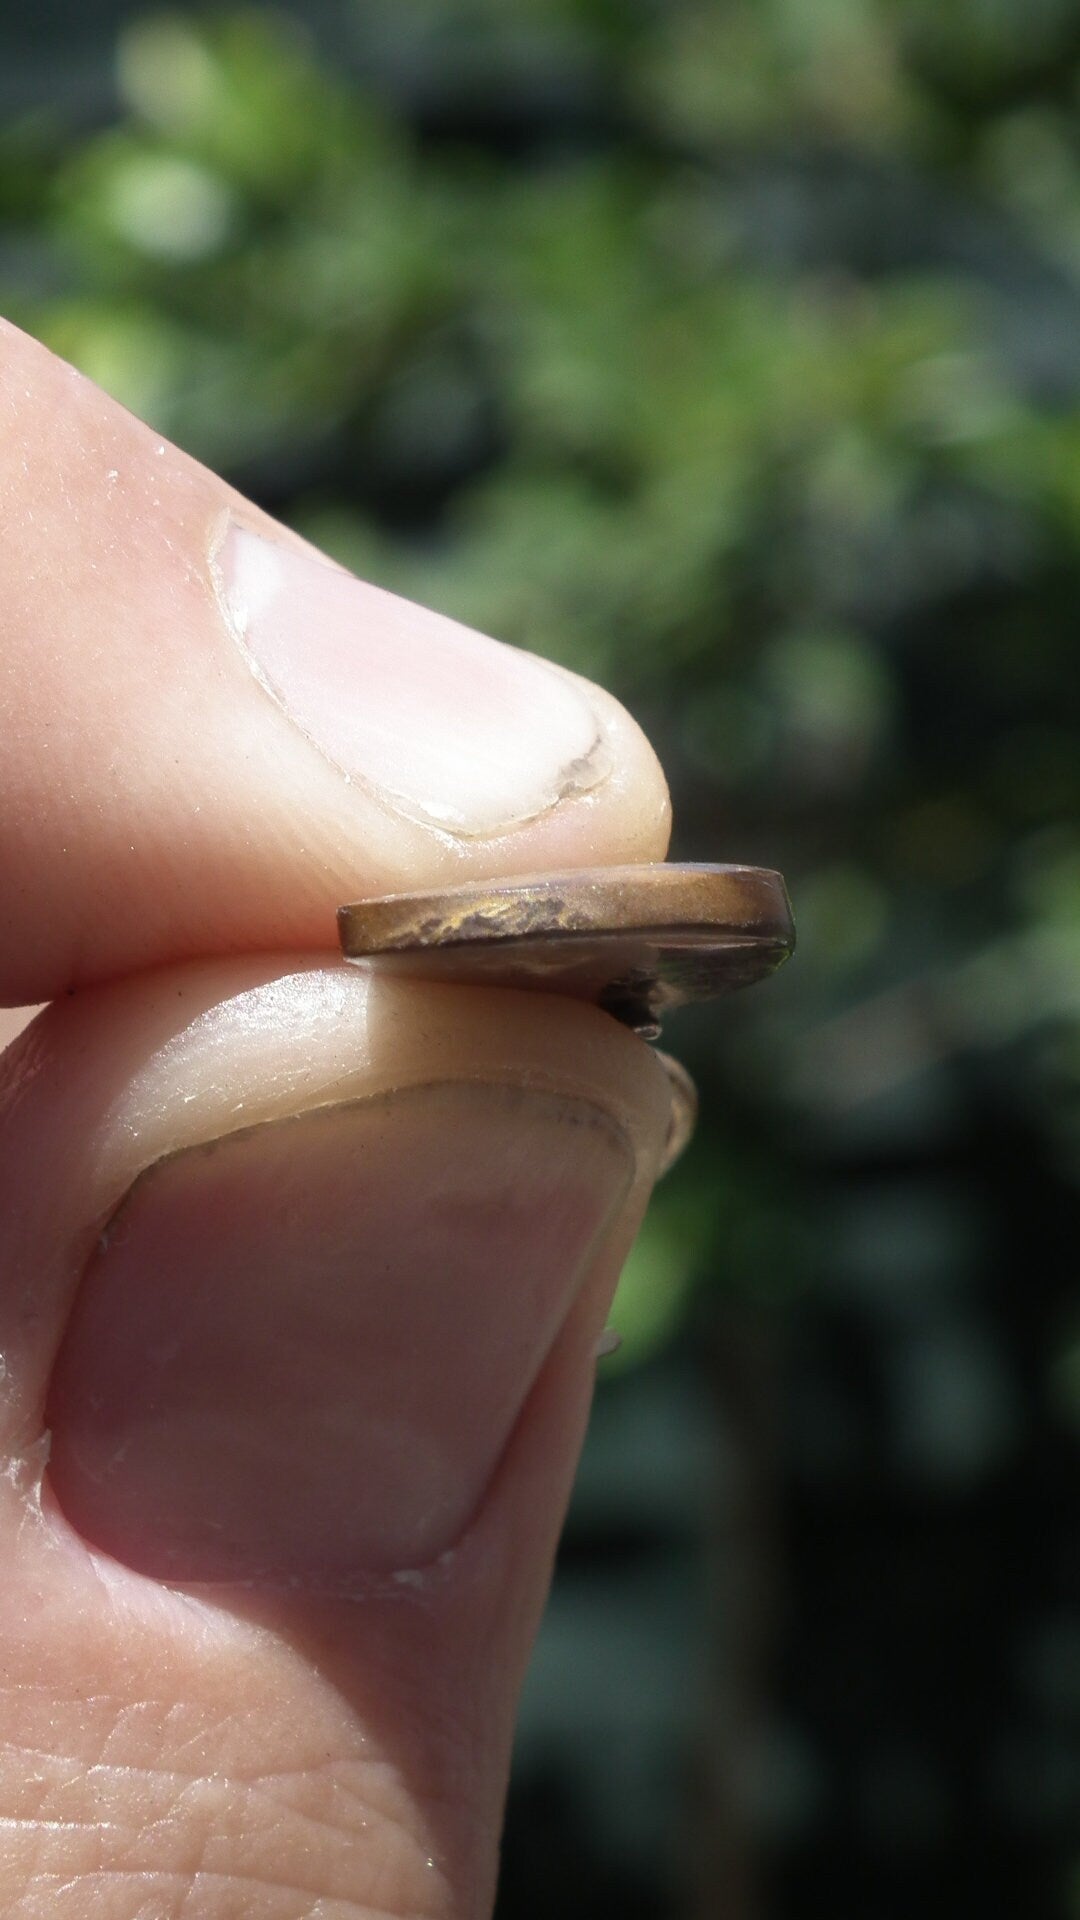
211	736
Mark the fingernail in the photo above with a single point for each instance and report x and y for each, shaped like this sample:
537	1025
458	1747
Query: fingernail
450	727
609	1342
301	1350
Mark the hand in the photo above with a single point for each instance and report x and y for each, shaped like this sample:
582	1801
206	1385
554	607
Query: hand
302	1269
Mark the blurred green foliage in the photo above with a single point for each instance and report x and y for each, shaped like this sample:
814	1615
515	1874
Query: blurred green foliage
728	351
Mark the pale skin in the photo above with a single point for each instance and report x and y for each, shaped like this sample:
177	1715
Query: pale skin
330	1738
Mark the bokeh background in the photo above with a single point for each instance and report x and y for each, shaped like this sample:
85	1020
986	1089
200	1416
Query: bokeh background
728	350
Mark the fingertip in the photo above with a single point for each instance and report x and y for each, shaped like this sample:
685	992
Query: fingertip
214	736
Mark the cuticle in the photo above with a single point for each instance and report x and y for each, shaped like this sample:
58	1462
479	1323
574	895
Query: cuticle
610	1123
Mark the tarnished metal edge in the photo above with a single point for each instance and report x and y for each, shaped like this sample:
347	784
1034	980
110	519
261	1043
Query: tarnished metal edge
741	901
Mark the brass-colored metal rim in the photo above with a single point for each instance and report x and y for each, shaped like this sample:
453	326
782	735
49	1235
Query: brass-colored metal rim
637	941
750	903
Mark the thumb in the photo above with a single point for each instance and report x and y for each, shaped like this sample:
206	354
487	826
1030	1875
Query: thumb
212	736
308	1269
